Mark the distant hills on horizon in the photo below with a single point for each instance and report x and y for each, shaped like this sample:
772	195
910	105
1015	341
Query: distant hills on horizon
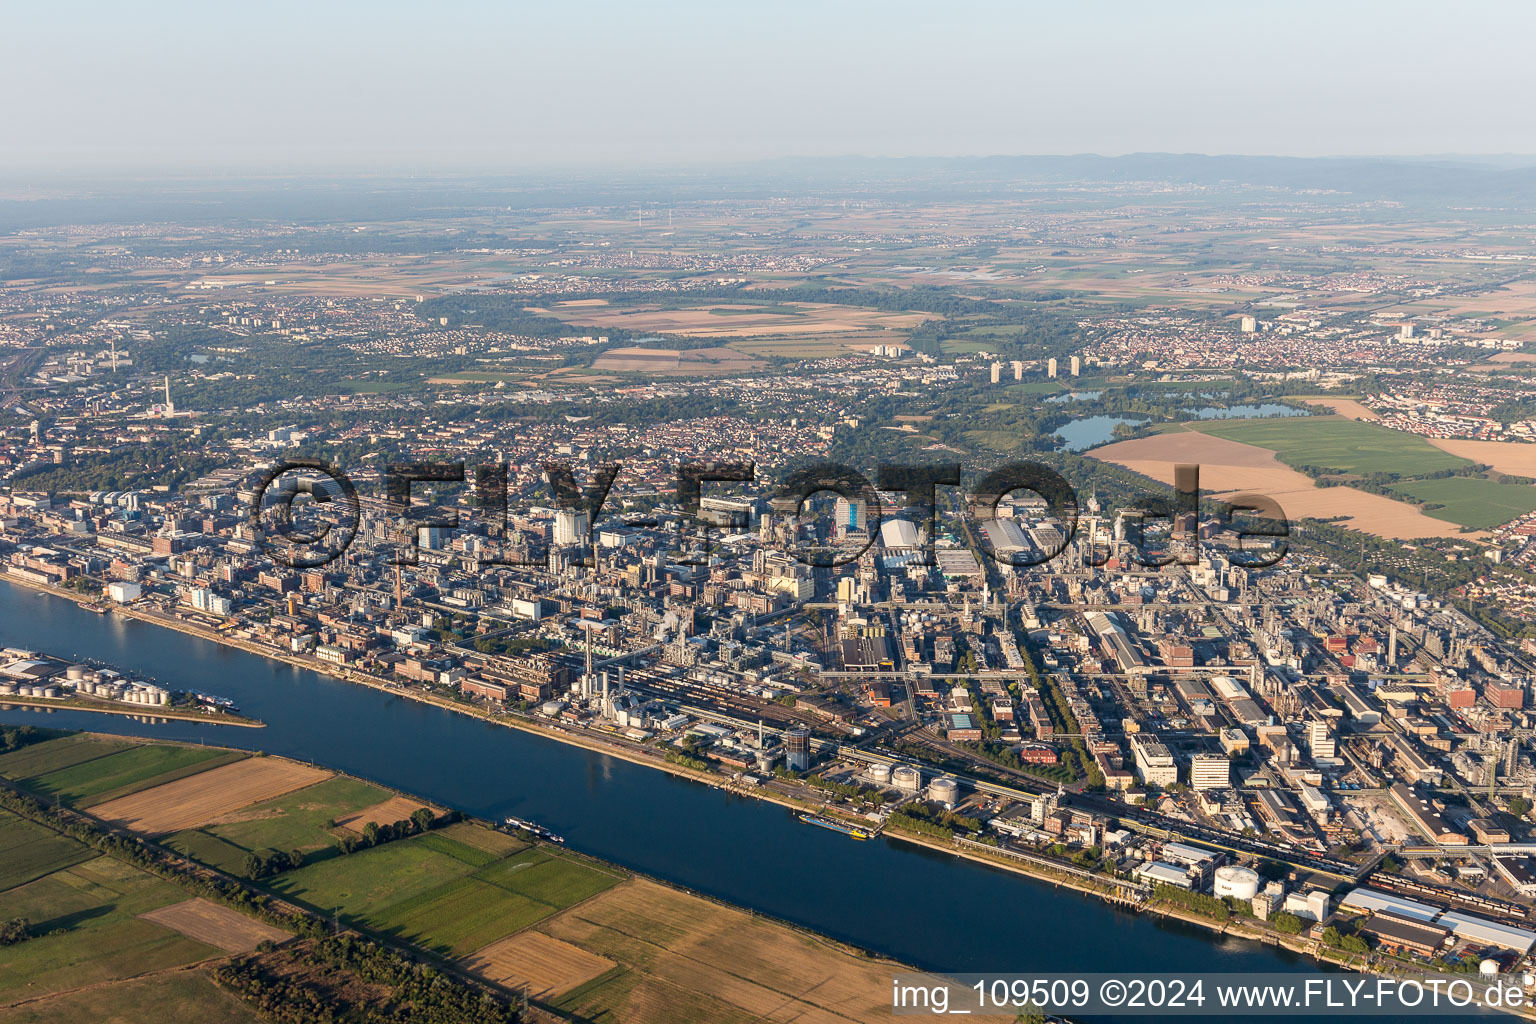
1500	181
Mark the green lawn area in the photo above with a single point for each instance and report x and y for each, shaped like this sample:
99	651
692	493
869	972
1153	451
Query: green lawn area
53	755
294	821
124	772
1473	501
1348	446
29	851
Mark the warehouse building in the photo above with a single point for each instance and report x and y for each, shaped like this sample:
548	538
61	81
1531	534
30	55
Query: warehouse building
1423	816
1405	934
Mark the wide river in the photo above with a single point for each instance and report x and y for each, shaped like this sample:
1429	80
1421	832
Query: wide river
935	911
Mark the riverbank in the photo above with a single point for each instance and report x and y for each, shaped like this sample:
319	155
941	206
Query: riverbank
557	936
616	746
167	712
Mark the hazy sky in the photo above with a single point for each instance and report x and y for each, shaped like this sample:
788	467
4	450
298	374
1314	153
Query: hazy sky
507	84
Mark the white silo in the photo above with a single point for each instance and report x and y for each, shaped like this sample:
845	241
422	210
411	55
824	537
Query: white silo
1236	881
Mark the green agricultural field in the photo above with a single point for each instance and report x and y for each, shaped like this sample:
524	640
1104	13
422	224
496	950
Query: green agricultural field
505	896
179	996
548	877
1346	446
54	755
365	883
299	820
94	953
86	892
796	346
209	849
127	771
85	910
29	851
1472	501
462	852
449	896
1038	387
460	917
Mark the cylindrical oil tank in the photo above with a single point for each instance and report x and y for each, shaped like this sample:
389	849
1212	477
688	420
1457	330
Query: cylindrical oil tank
879	774
906	778
945	790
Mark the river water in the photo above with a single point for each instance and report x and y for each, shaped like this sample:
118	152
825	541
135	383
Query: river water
926	908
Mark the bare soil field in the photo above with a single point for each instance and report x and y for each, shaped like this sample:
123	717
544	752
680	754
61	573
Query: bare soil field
682	946
214	925
661	360
548	967
1510	457
1229	467
205	798
397	808
1345	407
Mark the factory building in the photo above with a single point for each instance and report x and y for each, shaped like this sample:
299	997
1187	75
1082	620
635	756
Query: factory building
1154	763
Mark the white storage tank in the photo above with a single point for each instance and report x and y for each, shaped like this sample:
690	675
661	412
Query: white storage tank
945	790
75	672
880	774
907	778
1240	882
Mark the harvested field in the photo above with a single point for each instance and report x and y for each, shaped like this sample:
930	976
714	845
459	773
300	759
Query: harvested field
1345	407
664	360
738	320
398	808
203	799
1510	457
1229	467
548	967
482	838
687	955
214	925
